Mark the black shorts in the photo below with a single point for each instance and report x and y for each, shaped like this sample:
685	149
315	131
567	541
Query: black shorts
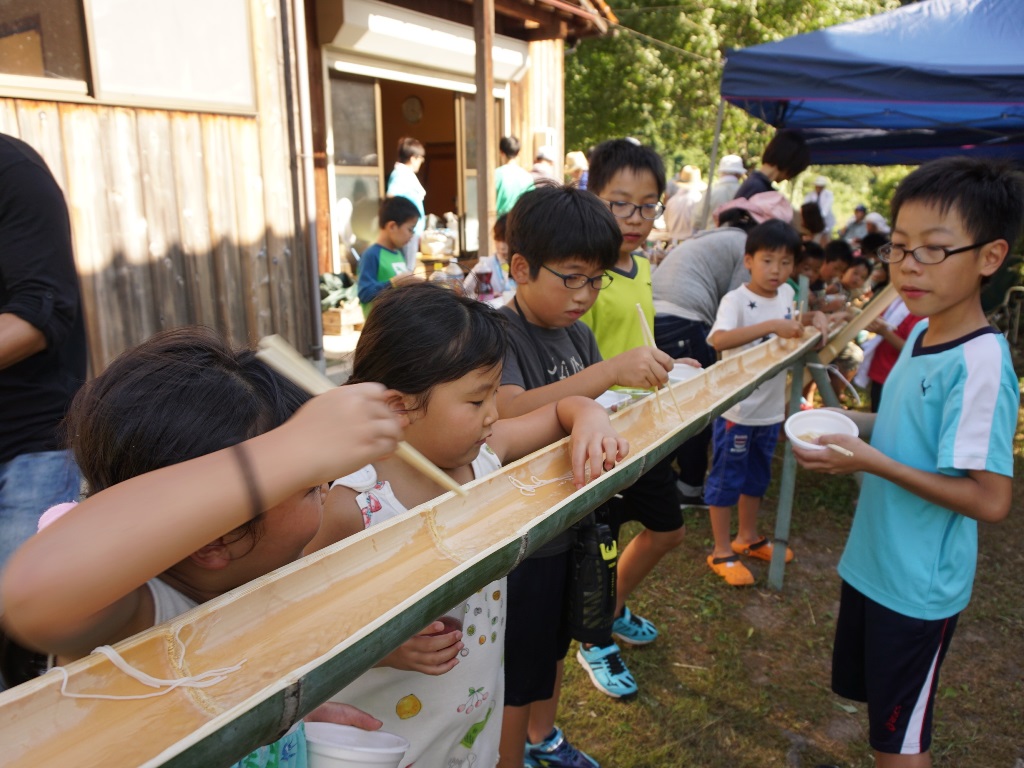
892	662
536	627
653	501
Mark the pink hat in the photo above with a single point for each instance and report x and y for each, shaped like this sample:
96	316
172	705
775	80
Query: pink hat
761	207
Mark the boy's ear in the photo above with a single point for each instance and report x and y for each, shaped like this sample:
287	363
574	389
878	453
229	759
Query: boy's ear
992	257
519	268
213	557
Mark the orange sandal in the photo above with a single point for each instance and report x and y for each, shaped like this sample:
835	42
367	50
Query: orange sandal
760	550
732	570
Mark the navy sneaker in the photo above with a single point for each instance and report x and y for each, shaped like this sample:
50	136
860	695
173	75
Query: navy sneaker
633	629
556	752
607	670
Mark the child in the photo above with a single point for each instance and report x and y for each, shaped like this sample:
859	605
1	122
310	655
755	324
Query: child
808	263
940	456
441	354
494	265
197	485
383	264
745	435
630	179
562	240
838	255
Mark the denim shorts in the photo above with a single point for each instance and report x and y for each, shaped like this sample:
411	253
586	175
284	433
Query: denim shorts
741	462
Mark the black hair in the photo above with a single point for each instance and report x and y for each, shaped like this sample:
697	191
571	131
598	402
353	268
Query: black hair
860	261
397	209
422	334
788	152
509	146
810	215
772	235
610	157
871	242
738	218
181	394
499	230
810	250
838	250
986	195
555	223
408	148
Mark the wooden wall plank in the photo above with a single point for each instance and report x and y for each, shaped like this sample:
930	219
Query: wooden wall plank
221	207
129	238
193	218
39	125
105	315
286	262
160	204
252	249
9	118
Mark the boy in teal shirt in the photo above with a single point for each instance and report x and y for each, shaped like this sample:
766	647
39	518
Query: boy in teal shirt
940	456
383	263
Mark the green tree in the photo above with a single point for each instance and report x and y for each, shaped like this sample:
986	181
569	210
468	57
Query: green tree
657	76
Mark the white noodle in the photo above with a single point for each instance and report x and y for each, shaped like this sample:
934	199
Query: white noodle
530	488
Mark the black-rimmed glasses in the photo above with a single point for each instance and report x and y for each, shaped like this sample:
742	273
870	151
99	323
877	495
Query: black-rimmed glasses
923	254
575	282
622	210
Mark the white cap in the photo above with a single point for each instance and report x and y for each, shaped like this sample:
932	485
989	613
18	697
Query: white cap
732	164
821	181
546	152
878	220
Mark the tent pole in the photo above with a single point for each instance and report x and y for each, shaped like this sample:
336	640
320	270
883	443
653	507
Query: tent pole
714	160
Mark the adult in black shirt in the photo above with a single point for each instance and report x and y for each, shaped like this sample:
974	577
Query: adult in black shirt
42	343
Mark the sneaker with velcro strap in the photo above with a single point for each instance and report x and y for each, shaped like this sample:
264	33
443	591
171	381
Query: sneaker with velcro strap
607	670
633	629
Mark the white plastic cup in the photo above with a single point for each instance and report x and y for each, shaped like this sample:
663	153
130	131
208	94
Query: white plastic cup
818	422
683	372
329	745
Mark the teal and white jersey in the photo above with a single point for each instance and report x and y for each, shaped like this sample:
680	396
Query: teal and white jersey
947	409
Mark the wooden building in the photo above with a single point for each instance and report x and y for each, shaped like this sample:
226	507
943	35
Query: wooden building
203	148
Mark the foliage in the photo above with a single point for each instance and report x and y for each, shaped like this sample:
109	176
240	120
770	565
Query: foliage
657	78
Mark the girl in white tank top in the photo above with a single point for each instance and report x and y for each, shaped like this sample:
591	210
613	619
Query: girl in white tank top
440	355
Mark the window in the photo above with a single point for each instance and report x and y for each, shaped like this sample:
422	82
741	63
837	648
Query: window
44	39
187	54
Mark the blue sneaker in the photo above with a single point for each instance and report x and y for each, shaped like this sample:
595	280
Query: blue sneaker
633	629
556	752
607	670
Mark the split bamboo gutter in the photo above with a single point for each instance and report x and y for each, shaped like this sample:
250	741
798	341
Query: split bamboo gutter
307	630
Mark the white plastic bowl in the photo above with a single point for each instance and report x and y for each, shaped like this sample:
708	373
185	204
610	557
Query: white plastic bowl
803	424
682	372
612	400
333	746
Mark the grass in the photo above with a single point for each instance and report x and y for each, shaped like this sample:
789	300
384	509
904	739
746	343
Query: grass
740	677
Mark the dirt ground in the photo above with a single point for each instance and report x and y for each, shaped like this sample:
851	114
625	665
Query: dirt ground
740	677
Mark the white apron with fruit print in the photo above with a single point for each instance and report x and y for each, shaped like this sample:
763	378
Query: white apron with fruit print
452	720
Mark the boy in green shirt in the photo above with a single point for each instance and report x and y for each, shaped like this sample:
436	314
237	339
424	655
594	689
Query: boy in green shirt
383	264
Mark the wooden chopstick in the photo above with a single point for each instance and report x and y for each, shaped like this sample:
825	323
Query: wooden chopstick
286	360
839	449
649	338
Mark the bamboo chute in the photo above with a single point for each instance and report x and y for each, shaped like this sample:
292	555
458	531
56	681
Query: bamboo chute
308	629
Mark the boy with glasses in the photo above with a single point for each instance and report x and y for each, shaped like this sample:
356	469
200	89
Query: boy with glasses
562	241
630	179
940	456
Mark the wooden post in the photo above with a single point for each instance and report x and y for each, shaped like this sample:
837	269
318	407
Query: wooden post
486	154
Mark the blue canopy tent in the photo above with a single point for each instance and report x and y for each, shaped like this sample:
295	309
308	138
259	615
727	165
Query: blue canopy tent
930	79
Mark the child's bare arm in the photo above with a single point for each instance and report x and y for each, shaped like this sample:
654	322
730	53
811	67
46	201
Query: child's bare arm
341	519
58	594
640	367
737	337
594	438
980	495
